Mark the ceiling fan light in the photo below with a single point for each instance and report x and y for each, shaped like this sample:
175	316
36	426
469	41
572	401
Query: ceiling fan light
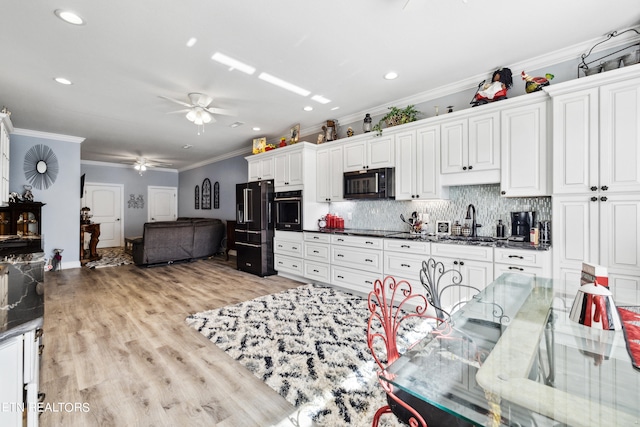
206	117
143	168
136	167
191	115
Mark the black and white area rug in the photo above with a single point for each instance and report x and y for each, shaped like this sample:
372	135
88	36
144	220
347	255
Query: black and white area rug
308	344
111	257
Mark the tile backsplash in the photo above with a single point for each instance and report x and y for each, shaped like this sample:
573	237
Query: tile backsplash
490	207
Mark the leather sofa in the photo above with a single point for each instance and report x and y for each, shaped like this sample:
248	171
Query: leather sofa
186	239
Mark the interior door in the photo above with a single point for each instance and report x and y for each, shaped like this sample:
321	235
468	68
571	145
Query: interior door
163	204
105	202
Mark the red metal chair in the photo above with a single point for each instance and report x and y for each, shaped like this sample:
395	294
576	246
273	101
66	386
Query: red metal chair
390	304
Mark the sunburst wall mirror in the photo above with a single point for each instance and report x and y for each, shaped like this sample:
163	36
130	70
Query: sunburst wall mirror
41	166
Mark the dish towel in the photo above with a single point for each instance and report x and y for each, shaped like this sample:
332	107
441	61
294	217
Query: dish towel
630	317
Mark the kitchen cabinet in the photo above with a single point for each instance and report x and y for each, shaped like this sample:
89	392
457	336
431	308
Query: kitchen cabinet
288	170
261	167
288	251
372	153
6	127
317	257
525	151
604	230
470	149
522	261
418	169
22	219
329	173
11	390
356	262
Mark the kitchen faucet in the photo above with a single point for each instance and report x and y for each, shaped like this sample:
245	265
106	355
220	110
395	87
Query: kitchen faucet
471	214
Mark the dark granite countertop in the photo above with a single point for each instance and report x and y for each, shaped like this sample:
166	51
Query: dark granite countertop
21	293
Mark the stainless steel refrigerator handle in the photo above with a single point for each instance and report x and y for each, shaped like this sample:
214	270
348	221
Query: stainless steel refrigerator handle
248	244
245	201
376	175
286	199
248	231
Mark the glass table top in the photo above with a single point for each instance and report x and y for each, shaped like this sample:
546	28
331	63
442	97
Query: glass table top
513	357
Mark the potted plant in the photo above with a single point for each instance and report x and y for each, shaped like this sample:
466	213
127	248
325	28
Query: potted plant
397	116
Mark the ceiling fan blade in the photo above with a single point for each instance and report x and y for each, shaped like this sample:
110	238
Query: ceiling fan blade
176	101
186	110
221	111
200	99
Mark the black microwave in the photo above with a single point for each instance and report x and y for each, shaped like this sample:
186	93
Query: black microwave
370	184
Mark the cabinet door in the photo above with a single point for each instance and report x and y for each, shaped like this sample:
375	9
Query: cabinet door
336	174
484	142
355	156
406	165
576	232
254	170
620	136
294	165
281	171
427	172
454	146
620	232
524	151
323	176
261	168
381	152
11	369
575	142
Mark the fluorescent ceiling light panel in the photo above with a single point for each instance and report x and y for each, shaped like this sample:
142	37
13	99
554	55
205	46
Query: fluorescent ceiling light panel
283	84
321	99
233	64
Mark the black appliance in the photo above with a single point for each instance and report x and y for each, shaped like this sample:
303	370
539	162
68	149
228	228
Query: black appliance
288	207
370	184
521	223
255	227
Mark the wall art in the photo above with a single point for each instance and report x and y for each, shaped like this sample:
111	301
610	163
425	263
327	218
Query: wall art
216	195
135	202
196	197
41	166
206	194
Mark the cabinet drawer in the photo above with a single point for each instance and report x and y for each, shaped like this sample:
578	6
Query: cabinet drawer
403	265
367	260
317	271
357	241
317	252
407	246
520	257
317	237
287	247
287	264
520	269
353	279
466	252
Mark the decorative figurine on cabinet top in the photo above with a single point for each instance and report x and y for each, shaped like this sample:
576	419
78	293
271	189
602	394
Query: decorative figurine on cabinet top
496	90
534	84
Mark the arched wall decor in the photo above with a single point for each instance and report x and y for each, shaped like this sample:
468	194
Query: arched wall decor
206	194
216	195
41	166
196	197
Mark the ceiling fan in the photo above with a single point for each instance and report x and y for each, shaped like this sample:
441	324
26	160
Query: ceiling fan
141	164
199	109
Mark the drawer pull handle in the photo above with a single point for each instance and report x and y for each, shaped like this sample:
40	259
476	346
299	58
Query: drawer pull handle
316	271
316	252
369	243
405	265
340	240
294	266
368	282
294	248
340	277
516	268
316	237
405	246
368	260
516	256
340	255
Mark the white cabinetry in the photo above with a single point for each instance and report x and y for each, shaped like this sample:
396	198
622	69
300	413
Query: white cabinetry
329	173
356	262
5	129
522	261
418	169
288	170
261	167
317	256
403	259
288	252
470	146
596	184
11	389
526	161
374	153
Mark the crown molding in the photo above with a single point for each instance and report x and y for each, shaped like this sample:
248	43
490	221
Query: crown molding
239	152
48	135
124	166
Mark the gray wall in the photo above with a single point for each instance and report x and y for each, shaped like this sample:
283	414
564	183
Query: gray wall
61	214
133	183
228	173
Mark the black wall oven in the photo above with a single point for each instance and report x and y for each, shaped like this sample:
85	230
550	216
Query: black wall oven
288	206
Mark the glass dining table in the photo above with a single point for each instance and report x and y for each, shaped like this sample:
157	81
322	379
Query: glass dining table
512	357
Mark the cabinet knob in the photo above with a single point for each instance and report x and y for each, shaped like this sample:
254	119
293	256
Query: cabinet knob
461	262
503	192
604	188
603	199
470	167
455	262
464	168
594	199
594	188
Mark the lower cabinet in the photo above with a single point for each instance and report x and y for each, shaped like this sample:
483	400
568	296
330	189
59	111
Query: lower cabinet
288	252
356	262
317	257
522	261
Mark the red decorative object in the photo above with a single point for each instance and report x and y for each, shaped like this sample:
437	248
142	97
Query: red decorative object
283	142
630	317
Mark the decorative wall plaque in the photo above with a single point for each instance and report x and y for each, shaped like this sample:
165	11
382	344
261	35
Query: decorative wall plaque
216	195
197	197
206	194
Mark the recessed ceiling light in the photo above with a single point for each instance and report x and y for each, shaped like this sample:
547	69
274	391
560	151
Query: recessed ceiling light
321	99
236	124
69	17
308	108
233	64
191	42
391	75
256	129
62	81
283	84
335	108
187	146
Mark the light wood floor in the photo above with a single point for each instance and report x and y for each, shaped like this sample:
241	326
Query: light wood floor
115	339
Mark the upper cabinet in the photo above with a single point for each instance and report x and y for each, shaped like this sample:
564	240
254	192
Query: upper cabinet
5	129
596	133
261	167
373	153
329	173
526	161
291	168
418	168
288	170
470	147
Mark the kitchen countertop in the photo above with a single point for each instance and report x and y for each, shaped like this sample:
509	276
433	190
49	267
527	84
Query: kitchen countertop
456	240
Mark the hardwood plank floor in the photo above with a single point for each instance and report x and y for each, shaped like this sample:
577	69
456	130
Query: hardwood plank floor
115	339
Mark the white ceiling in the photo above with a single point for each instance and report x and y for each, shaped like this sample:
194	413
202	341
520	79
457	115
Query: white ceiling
130	53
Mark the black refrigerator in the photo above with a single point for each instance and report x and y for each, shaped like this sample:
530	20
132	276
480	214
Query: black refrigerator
255	227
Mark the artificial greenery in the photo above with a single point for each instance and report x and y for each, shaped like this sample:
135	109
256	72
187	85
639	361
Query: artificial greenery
397	116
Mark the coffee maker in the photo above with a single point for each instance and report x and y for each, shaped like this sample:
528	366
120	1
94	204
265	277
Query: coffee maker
521	223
